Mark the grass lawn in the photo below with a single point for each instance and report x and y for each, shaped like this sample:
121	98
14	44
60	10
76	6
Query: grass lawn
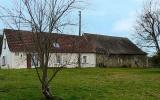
84	84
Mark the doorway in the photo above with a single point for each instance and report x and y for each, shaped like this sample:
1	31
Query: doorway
28	61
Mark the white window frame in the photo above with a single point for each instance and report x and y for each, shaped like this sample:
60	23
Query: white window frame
34	59
56	45
58	59
84	59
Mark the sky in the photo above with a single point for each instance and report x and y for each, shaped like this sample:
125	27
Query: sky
111	17
107	17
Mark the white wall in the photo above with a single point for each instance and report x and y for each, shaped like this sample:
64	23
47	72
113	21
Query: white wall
19	60
69	60
91	60
7	53
12	59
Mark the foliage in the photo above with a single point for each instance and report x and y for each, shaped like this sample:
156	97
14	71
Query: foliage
148	25
155	60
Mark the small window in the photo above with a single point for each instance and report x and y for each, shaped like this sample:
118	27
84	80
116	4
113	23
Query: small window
58	59
84	59
4	43
3	61
56	45
34	60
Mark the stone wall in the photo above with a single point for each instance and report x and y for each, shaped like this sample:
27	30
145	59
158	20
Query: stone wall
121	60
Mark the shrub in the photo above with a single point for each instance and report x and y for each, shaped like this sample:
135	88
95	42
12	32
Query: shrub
126	66
101	65
155	60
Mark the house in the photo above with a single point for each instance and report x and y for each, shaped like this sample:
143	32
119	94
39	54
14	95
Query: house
95	50
65	50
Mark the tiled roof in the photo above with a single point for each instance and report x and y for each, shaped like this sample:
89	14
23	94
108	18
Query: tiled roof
88	43
113	45
20	41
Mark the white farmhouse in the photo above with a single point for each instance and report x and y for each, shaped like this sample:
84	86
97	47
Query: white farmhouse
15	56
95	50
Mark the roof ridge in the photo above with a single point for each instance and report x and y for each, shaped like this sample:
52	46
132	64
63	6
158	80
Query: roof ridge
42	32
105	35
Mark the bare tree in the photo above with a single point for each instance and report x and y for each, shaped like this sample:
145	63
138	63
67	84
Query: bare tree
43	17
148	25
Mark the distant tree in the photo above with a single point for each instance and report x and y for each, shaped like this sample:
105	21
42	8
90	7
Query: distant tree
148	25
43	17
155	60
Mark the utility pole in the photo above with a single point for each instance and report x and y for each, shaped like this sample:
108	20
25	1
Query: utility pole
79	23
79	53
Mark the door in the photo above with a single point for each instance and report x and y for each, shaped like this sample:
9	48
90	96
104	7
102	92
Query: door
28	61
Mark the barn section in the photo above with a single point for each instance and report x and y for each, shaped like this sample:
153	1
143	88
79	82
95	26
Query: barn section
116	51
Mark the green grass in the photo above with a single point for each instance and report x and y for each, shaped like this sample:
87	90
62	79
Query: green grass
84	84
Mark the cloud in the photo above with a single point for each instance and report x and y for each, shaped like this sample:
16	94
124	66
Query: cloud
125	25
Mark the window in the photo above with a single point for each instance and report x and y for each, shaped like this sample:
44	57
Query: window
4	43
84	59
21	55
56	45
3	60
65	60
58	59
34	60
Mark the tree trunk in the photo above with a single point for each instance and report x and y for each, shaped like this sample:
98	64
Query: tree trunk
47	92
45	86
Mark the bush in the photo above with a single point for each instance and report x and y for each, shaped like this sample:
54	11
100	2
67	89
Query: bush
101	65
155	60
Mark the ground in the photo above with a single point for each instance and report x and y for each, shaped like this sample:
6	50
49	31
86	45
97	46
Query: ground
84	84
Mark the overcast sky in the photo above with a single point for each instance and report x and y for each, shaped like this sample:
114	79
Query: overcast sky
109	17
